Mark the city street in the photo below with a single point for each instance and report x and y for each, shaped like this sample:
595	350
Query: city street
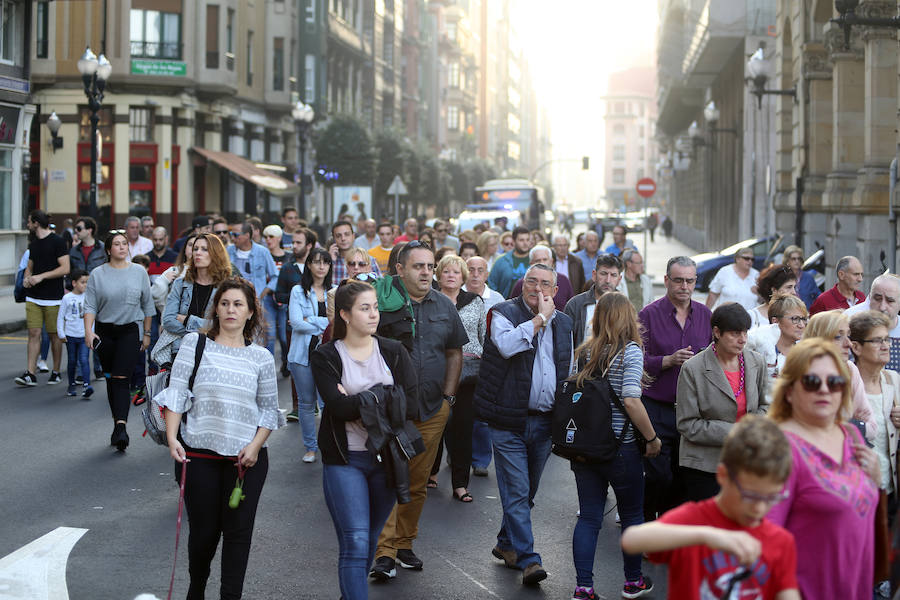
59	471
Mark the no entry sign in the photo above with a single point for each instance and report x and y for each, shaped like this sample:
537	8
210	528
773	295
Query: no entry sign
646	187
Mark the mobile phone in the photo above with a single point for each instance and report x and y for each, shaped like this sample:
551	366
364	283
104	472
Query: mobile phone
96	343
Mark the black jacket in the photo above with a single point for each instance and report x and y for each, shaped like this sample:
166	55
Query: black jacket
327	369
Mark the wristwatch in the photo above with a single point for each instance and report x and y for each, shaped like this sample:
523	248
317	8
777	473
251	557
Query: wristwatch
543	319
451	399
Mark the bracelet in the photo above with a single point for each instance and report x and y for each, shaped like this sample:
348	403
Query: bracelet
146	334
655	437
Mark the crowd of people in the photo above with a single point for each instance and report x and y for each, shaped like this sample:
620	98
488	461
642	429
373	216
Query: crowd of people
756	433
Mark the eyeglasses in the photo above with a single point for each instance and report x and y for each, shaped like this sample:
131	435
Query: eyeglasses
222	232
813	383
749	258
882	341
117	232
534	282
416	244
796	320
79	229
683	280
752	497
357	265
440	231
235	234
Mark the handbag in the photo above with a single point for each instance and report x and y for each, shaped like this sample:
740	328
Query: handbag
470	367
161	353
153	413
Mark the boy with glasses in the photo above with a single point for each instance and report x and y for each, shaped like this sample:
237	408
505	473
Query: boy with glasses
724	547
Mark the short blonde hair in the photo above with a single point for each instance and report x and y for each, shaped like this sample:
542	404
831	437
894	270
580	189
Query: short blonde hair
452	259
358	253
791	250
273	231
795	366
826	325
782	303
484	239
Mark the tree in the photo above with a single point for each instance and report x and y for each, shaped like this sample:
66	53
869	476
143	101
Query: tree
460	186
345	149
391	149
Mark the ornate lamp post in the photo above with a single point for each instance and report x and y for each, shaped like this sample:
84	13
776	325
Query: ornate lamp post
94	73
759	68
303	114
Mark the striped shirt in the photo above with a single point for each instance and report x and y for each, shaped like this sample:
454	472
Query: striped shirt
625	378
234	394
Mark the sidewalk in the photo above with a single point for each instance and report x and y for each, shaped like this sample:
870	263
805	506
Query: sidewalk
658	254
12	315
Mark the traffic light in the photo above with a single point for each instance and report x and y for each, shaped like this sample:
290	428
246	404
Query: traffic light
585	163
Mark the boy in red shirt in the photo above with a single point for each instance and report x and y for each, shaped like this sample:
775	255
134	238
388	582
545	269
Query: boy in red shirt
724	547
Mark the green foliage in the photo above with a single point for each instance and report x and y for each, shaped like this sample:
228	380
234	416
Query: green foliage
345	146
391	150
460	184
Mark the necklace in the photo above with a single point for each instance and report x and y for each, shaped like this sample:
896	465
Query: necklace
740	368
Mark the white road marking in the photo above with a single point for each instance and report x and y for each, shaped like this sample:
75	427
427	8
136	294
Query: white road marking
37	571
467	576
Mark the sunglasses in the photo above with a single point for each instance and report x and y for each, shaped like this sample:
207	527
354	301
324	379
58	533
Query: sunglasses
365	277
813	383
357	265
235	234
79	229
222	232
748	258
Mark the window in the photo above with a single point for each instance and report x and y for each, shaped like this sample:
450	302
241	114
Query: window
229	40
11	17
640	173
618	175
309	78
104	124
311	11
451	31
618	152
453	75
513	150
155	34
6	179
140	124
453	118
212	36
619	108
512	121
619	129
292	70
249	58
641	129
42	18
278	64
640	153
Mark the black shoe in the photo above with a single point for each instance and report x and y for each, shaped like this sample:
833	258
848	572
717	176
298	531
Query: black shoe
27	379
384	568
285	372
119	437
54	378
79	379
408	560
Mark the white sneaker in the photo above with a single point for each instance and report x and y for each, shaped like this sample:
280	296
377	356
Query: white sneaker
42	366
309	457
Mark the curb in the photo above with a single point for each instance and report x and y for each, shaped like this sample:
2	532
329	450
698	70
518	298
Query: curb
12	326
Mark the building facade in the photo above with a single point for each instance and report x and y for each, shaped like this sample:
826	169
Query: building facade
837	140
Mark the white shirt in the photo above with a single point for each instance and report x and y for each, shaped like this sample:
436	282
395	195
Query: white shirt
489	296
589	320
141	246
894	334
562	266
731	288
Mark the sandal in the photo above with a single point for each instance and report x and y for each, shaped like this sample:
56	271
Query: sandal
465	498
432	483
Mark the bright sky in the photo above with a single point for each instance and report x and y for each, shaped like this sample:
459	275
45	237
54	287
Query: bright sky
573	46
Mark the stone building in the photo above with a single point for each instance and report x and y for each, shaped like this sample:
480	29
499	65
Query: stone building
836	141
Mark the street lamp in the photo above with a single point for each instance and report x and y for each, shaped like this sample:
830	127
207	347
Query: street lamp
53	124
94	73
303	114
847	19
760	70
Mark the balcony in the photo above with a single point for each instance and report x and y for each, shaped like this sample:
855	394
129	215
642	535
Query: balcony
341	31
718	32
164	50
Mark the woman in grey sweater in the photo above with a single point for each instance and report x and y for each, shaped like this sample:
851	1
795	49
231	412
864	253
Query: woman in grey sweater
117	299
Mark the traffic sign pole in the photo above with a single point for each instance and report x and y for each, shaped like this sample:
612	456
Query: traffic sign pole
646	187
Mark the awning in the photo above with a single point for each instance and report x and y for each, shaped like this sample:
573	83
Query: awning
246	170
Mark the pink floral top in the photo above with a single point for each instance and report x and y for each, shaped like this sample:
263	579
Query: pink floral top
831	512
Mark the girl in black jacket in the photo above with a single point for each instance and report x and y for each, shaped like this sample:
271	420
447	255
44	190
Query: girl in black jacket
355	482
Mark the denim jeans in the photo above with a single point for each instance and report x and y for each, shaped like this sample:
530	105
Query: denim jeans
359	500
519	460
626	475
481	445
276	326
77	362
307	397
45	343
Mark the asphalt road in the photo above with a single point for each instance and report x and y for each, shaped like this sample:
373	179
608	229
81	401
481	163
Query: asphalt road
58	470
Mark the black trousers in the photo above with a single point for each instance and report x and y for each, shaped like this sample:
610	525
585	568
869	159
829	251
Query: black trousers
206	493
662	489
698	485
120	346
458	438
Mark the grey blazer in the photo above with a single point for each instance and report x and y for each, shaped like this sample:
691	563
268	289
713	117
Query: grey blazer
705	407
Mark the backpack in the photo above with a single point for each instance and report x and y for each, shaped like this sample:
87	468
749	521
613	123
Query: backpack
153	412
582	421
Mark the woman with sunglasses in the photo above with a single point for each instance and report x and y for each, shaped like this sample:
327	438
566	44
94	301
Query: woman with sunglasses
834	326
788	317
118	301
716	387
358	262
871	345
160	287
308	318
355	481
735	283
191	298
832	491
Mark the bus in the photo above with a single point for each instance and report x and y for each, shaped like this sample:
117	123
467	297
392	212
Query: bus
506	195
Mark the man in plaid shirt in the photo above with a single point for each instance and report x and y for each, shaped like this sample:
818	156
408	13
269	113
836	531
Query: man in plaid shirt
342	233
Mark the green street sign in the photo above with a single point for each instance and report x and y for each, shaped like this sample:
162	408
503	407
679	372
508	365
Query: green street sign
171	68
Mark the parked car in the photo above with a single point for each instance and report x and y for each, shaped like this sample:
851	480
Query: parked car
765	252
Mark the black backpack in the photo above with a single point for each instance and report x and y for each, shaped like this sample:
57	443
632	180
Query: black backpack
582	421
